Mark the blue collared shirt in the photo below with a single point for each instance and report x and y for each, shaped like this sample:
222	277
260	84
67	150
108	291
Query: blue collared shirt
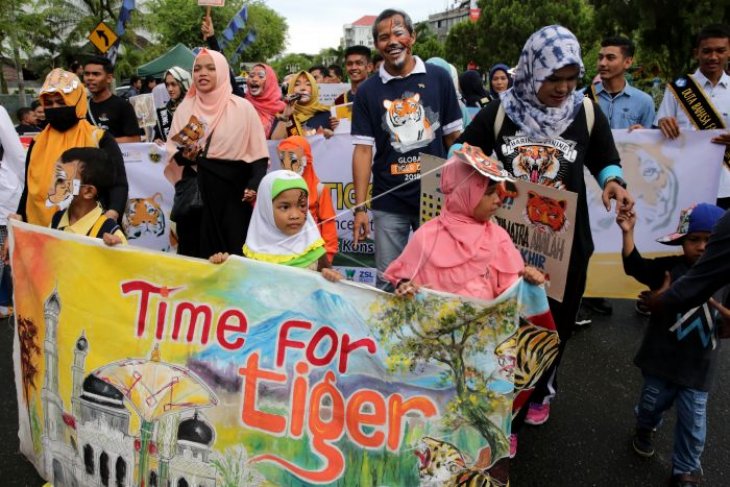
629	107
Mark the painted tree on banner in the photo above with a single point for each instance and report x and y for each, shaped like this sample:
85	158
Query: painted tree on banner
448	332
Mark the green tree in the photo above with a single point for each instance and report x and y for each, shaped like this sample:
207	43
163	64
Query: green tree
179	21
330	55
665	30
291	63
427	44
505	25
460	47
451	332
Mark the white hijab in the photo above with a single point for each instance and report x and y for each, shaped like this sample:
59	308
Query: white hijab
266	242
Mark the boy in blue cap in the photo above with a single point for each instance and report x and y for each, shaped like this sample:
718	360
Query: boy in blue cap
678	355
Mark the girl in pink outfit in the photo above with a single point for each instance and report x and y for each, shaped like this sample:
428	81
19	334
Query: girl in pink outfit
462	251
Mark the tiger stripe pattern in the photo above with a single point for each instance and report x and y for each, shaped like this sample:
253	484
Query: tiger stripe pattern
534	349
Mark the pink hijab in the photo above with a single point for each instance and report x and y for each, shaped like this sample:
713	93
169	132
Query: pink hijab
237	131
456	253
269	102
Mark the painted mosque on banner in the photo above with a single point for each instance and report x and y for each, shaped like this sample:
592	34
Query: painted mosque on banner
91	445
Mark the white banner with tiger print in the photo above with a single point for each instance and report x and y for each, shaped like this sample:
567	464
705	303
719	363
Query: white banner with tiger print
664	177
146	221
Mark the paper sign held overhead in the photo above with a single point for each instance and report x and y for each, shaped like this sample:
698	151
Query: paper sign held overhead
212	3
102	37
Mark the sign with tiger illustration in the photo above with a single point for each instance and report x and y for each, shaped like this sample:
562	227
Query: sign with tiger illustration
146	221
539	218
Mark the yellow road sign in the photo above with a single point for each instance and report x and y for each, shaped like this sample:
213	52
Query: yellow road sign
102	37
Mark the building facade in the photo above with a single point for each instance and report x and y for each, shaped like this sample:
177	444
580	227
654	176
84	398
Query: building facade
359	33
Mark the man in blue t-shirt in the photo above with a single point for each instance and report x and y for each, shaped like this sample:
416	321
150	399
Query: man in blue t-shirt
407	108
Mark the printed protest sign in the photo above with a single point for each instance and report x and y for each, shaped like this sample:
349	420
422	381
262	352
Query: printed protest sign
144	108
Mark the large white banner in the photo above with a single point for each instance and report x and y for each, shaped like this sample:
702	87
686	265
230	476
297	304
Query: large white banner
664	177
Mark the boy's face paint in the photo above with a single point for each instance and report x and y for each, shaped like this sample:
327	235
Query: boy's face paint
61	192
293	160
290	211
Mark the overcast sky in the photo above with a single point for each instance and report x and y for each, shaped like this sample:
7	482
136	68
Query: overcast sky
316	24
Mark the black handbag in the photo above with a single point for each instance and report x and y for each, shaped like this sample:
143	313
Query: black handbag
187	198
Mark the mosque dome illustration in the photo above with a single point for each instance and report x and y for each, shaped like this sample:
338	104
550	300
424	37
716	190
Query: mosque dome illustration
195	430
100	392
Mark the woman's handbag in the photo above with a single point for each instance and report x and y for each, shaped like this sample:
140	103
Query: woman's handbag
187	198
187	192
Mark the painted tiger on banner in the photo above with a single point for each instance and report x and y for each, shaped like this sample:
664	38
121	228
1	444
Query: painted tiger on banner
442	464
407	121
144	215
531	350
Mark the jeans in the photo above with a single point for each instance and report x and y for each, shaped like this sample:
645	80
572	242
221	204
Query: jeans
658	395
391	236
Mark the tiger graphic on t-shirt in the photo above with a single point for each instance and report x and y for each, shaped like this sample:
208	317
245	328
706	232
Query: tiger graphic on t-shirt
407	121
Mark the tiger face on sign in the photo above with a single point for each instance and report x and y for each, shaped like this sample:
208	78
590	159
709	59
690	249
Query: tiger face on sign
144	216
407	122
546	211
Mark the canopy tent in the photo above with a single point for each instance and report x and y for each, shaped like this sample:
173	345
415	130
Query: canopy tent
177	56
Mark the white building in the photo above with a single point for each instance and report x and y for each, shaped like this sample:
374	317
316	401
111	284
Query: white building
92	446
442	22
360	32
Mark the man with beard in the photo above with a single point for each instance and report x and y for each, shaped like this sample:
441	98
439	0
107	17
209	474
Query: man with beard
358	66
107	110
408	108
706	91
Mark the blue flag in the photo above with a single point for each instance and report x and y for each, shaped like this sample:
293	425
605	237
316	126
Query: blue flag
237	23
247	41
124	15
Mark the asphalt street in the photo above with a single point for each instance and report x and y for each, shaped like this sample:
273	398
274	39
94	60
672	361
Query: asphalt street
586	442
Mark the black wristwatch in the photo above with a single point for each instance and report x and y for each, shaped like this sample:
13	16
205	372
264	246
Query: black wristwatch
617	179
359	209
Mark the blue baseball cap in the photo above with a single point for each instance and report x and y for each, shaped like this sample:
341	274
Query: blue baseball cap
698	218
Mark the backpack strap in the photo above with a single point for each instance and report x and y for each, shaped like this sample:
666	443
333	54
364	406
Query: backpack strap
56	218
498	121
590	114
101	226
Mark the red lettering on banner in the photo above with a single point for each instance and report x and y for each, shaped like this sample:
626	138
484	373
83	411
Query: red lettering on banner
271	423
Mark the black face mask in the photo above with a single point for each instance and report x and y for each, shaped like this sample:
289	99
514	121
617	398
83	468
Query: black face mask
62	118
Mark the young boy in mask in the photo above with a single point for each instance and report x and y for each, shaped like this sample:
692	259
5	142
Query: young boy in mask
82	175
295	155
